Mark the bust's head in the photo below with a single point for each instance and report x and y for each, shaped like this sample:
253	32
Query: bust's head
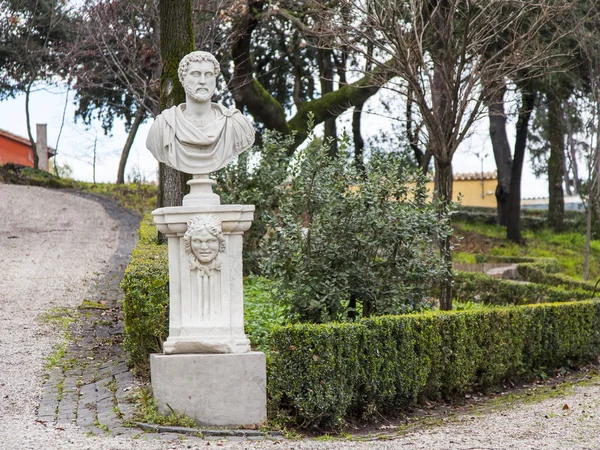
198	74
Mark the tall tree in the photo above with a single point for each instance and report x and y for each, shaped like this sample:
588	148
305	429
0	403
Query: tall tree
510	165
252	88
442	51
545	133
513	219
115	65
176	41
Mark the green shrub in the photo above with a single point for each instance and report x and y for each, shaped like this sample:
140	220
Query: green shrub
255	178
320	375
264	308
347	244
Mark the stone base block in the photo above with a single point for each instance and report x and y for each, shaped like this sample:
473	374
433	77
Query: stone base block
214	389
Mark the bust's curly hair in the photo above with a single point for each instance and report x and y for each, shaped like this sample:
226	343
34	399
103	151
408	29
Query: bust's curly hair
196	57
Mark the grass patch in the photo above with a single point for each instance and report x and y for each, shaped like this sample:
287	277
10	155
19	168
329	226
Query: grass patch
58	317
485	230
88	304
55	358
147	411
463	258
568	248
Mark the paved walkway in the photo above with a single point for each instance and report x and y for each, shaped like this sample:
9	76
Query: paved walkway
89	385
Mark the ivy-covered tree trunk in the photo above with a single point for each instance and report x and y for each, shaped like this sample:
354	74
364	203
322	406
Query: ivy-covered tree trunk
513	223
441	140
556	163
139	117
176	41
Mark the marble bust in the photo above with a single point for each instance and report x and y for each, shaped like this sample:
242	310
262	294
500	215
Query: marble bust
199	137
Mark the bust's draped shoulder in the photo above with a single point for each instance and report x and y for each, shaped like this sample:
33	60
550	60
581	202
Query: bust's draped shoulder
193	149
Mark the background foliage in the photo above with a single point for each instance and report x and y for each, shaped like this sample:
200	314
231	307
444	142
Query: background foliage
347	243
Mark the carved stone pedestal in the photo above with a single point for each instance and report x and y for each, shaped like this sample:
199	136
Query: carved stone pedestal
207	371
215	390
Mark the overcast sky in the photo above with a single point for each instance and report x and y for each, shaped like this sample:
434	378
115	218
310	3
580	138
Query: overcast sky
76	143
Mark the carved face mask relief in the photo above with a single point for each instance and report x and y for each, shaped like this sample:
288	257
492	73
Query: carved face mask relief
204	242
205	246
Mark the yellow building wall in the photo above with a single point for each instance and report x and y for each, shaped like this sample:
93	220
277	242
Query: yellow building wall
474	192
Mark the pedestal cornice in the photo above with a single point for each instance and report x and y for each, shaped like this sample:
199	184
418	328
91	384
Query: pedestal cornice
172	221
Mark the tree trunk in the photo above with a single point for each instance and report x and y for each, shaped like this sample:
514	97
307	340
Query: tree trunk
443	175
139	117
36	157
513	224
588	241
172	186
572	151
440	136
325	60
556	164
176	41
501	149
359	143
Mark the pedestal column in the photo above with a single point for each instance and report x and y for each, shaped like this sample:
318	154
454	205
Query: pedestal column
206	311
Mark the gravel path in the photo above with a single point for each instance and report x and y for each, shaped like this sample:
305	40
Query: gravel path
53	244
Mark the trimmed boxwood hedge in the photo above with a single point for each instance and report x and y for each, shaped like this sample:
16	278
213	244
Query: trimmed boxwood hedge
473	286
549	265
146	303
531	219
544	283
536	274
322	374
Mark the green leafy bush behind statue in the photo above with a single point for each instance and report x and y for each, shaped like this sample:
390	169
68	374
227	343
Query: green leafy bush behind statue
345	244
